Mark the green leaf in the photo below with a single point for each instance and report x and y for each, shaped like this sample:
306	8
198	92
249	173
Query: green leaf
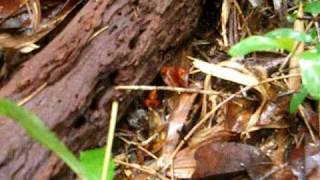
312	7
313	33
93	161
292	17
259	43
288	33
37	130
318	48
297	99
310	70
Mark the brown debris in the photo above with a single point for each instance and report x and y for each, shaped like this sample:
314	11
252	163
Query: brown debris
80	76
205	116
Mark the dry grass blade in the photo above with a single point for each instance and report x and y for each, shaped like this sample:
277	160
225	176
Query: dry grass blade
34	9
224	20
168	88
225	73
140	147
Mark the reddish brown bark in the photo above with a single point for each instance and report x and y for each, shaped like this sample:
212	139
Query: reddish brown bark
78	77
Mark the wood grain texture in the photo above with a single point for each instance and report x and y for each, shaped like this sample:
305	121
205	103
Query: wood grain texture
80	76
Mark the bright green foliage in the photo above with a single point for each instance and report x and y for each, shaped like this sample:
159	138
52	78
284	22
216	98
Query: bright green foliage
292	17
313	33
297	99
93	161
312	7
258	43
318	48
37	130
310	69
89	168
283	38
288	33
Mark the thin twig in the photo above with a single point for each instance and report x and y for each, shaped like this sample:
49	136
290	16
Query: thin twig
207	116
169	88
238	8
98	32
28	98
140	147
112	126
294	83
141	168
305	119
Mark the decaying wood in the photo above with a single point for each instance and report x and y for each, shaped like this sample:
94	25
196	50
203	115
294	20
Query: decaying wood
74	77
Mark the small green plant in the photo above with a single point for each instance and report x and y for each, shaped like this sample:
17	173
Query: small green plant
89	167
312	7
92	160
285	38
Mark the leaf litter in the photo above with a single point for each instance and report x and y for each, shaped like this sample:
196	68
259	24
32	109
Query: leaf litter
207	115
228	118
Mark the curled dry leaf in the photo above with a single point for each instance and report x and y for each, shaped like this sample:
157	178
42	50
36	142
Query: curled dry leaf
226	158
226	73
185	163
217	133
177	119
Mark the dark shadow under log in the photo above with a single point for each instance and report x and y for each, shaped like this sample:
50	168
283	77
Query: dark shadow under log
74	76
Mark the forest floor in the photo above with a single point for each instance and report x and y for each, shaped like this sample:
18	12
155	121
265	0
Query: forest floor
209	113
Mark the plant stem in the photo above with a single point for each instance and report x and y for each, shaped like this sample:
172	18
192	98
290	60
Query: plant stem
112	125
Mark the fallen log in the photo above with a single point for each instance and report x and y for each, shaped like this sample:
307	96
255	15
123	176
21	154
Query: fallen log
69	83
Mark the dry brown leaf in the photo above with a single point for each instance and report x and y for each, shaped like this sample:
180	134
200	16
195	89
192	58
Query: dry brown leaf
185	163
224	158
216	133
177	119
225	73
